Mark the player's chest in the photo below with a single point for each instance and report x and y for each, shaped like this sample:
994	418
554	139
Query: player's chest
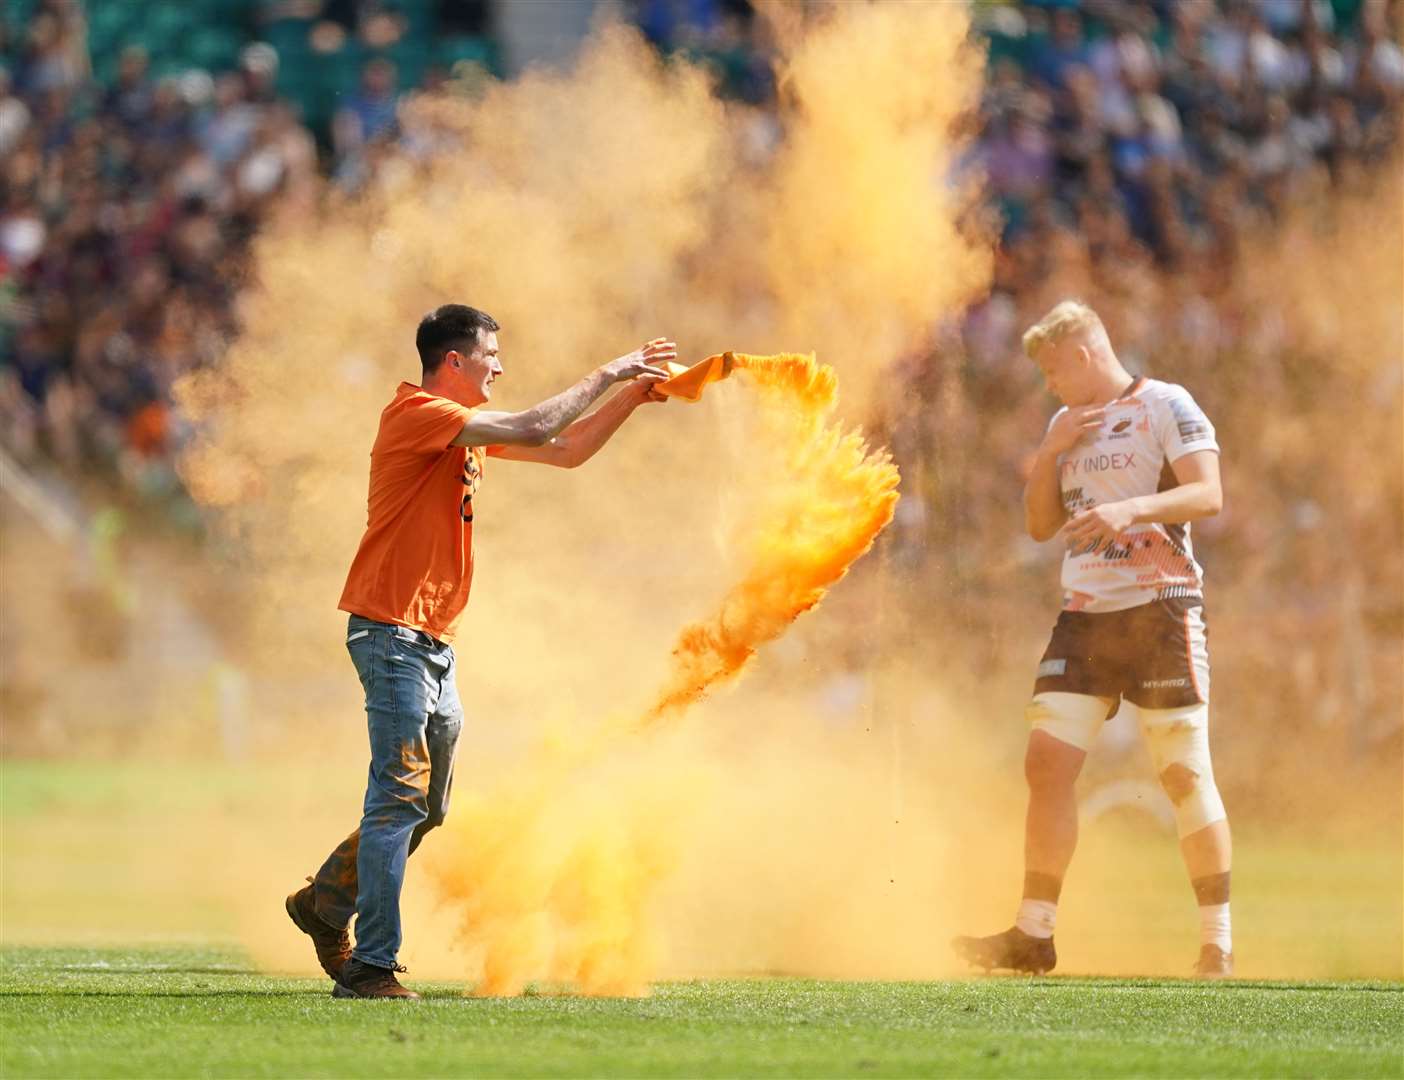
1122	453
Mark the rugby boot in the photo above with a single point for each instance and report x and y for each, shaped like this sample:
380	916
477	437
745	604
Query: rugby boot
360	980
333	946
1012	950
1213	963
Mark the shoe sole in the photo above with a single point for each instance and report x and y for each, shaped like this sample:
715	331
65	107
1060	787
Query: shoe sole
340	991
1012	970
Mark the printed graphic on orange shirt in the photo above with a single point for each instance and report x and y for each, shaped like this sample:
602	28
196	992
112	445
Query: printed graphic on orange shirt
472	475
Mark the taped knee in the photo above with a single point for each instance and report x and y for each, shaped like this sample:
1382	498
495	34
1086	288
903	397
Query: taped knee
1179	744
1071	718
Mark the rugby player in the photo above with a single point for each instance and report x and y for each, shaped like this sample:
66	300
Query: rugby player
1123	468
405	593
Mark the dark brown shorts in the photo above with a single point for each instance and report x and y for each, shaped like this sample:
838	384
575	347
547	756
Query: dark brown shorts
1155	655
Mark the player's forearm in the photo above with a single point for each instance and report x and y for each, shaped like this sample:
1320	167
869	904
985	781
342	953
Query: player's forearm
584	438
1043	499
1188	502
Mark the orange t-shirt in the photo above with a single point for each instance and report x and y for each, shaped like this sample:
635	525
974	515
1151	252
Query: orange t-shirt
415	563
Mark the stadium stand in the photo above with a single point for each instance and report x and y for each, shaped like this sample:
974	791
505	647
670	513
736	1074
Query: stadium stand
142	145
1133	150
1129	147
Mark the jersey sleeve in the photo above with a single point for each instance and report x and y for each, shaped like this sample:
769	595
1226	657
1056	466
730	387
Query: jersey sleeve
426	425
1181	426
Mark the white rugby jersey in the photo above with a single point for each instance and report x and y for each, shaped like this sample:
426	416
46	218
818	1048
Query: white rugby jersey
1152	425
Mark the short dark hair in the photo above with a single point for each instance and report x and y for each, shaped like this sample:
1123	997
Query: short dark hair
453	326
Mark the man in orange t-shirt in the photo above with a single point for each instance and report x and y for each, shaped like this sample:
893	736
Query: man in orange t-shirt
405	594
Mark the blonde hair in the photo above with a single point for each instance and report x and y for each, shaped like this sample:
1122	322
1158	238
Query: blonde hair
1069	317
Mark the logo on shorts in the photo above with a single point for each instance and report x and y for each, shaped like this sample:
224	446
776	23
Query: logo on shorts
1161	684
1052	667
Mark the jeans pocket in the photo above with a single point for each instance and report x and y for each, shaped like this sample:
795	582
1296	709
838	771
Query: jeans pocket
362	651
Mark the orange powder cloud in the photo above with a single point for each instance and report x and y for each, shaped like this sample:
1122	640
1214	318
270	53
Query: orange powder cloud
553	869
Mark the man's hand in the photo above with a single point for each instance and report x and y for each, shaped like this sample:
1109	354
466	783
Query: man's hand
1097	526
1069	428
645	361
642	390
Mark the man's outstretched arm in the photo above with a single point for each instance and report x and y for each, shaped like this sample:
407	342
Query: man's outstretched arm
581	440
541	423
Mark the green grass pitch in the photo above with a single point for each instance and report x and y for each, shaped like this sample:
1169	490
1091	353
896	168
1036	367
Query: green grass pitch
187	1011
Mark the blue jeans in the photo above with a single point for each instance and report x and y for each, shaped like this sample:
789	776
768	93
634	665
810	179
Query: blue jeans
414	718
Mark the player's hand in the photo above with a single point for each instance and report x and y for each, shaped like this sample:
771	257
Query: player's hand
1096	526
1069	428
648	360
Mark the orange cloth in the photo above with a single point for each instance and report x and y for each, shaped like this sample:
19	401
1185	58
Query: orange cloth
415	563
688	383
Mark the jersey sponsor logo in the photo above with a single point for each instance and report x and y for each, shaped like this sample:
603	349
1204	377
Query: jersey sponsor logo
1052	667
1074	500
1095	463
1162	684
1163	561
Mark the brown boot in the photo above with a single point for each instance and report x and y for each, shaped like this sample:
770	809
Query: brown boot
1213	963
360	980
1012	950
333	946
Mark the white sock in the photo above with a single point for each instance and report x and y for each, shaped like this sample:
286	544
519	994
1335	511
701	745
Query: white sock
1215	927
1036	917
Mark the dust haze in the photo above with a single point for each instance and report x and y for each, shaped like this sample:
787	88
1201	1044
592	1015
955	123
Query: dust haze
626	810
588	211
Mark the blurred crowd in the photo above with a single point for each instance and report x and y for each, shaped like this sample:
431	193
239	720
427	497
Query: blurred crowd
127	208
1146	155
1163	141
1129	145
1132	150
127	214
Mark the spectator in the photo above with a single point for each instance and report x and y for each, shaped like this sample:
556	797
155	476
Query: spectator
226	134
14	116
130	99
369	117
56	53
1063	50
